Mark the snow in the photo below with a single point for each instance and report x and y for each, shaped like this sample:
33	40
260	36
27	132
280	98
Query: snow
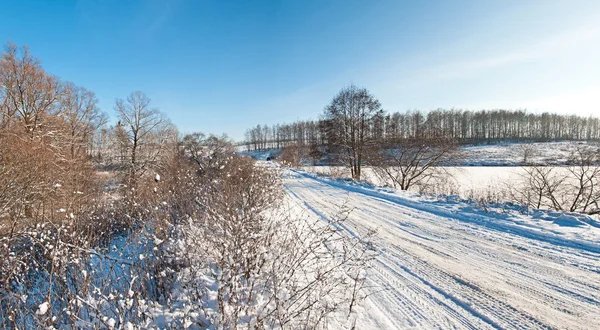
501	154
465	181
441	263
43	308
510	154
447	264
260	154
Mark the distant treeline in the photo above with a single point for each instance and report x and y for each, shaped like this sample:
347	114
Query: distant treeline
464	126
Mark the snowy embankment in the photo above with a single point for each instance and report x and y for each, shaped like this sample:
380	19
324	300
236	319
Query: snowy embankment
570	229
447	264
501	154
512	154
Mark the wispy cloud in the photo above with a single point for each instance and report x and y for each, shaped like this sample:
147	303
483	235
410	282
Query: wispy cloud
394	83
555	45
161	11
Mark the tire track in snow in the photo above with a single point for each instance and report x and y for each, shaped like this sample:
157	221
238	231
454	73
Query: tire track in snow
508	273
415	314
420	249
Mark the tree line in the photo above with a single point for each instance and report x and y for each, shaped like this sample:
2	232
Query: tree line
464	126
407	150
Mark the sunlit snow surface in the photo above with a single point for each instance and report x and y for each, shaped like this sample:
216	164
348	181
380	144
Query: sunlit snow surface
502	154
447	264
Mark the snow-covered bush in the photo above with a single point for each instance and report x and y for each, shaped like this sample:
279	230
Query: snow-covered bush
246	258
210	242
50	273
573	188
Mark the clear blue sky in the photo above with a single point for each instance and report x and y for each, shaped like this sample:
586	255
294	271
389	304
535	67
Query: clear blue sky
223	66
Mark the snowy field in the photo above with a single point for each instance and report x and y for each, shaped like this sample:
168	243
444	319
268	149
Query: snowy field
465	179
448	265
503	154
511	154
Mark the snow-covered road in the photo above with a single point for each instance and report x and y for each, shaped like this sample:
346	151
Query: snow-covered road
435	271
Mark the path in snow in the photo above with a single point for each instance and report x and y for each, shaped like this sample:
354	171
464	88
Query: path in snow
437	272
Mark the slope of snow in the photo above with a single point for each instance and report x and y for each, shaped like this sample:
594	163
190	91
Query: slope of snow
501	154
511	154
446	264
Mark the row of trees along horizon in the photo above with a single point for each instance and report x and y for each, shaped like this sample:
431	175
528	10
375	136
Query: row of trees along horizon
464	126
355	130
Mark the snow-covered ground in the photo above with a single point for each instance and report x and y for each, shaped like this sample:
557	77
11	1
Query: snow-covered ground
464	179
258	154
502	154
472	182
511	154
446	264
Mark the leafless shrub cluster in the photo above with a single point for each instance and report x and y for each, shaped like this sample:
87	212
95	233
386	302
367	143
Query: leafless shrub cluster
299	155
527	151
44	128
55	219
187	226
414	162
248	261
54	276
573	188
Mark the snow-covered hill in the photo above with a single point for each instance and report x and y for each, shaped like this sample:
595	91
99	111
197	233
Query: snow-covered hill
502	154
512	154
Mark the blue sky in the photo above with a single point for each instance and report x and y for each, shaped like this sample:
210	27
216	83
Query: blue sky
224	66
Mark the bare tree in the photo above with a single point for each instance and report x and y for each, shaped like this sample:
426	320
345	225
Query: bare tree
573	188
410	162
147	133
349	116
81	114
35	159
208	152
527	151
540	187
585	174
29	92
